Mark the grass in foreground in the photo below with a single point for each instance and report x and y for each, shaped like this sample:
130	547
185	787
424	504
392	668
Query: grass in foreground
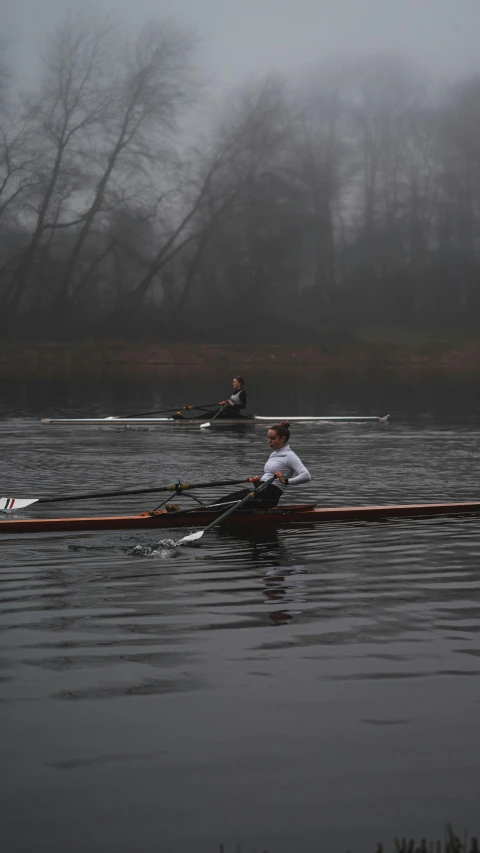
450	844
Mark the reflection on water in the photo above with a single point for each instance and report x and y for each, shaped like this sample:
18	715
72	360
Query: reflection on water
260	687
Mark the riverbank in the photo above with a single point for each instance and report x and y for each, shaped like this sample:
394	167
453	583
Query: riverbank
129	359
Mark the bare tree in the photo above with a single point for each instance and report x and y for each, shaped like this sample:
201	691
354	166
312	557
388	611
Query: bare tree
17	162
70	106
319	168
459	198
356	193
253	126
156	83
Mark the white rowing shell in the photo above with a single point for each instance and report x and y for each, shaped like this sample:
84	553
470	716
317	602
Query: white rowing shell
110	421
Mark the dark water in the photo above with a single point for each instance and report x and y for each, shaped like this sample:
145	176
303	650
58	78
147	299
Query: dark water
289	690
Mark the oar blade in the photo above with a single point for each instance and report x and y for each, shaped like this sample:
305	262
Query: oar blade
194	537
191	537
12	504
205	426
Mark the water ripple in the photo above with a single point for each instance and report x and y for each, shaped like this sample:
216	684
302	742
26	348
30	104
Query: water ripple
331	666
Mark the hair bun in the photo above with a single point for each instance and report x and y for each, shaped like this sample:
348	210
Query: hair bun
285	424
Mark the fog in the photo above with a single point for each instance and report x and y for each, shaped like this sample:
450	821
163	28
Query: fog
243	37
316	163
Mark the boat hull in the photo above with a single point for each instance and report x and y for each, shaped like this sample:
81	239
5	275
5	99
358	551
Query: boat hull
256	419
281	516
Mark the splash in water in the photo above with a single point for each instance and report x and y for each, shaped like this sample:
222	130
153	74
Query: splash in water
164	548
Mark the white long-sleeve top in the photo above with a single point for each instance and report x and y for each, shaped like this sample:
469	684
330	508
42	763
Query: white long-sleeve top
289	464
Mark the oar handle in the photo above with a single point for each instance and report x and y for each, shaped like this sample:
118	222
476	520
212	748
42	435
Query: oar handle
183	487
240	503
221	409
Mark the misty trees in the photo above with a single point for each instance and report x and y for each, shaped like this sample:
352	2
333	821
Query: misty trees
458	200
58	120
215	182
380	97
139	123
318	169
100	127
243	148
128	206
14	160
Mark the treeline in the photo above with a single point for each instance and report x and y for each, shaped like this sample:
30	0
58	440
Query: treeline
131	205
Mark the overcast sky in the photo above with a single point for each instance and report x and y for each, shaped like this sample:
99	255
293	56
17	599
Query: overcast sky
244	37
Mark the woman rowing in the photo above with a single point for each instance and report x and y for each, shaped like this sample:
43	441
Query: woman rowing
231	408
282	463
236	402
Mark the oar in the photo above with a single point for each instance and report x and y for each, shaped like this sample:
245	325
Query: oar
194	537
12	504
164	411
209	423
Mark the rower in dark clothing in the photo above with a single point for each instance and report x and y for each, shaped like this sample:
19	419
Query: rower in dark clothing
236	402
231	408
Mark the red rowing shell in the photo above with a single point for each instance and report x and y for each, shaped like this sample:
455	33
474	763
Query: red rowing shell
279	516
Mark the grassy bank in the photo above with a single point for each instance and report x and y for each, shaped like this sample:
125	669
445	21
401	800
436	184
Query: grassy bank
130	359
